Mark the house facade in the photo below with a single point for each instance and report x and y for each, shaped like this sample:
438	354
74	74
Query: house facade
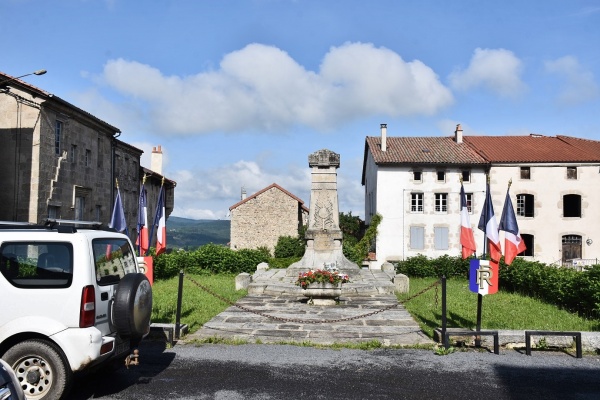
59	161
414	184
260	219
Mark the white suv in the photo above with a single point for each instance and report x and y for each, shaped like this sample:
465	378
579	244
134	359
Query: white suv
72	299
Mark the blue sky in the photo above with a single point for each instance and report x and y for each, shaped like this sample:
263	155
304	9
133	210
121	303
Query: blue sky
239	93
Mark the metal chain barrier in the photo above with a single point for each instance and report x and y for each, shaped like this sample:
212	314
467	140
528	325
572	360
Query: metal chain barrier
310	321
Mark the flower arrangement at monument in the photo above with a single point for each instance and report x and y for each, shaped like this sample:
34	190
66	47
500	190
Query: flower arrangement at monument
321	276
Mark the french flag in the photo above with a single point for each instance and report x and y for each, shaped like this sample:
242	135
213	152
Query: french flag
467	240
159	221
142	225
488	224
513	244
117	220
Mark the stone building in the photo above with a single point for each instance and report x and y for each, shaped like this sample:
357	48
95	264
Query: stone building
59	161
260	219
414	184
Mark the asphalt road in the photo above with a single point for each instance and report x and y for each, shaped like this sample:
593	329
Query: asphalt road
226	372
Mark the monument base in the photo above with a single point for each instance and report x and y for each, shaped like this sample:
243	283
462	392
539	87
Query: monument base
323	249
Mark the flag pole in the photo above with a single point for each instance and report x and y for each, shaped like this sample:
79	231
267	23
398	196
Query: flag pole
162	182
483	256
139	241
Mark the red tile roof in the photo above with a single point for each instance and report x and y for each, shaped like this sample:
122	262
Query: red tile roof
592	146
422	150
273	185
533	149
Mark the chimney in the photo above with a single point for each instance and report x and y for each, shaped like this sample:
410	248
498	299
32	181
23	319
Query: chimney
243	193
157	160
383	137
458	134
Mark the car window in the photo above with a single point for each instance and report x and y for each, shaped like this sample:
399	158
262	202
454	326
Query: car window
113	258
38	264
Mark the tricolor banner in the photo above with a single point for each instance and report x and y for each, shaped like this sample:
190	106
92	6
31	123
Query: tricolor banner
483	277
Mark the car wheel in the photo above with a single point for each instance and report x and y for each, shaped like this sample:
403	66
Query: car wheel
133	307
42	370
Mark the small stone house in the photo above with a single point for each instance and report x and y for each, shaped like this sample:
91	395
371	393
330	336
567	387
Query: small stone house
260	219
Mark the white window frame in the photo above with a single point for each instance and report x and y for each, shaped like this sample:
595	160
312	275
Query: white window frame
441	203
416	202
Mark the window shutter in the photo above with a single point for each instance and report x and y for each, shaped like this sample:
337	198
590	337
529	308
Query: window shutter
417	237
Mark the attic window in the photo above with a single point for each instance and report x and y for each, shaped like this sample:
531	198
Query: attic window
425	150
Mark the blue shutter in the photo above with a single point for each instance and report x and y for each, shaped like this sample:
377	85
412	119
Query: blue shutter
417	237
441	238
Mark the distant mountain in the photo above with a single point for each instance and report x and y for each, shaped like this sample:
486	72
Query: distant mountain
192	233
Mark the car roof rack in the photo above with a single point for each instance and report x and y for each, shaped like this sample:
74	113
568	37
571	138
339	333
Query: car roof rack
60	225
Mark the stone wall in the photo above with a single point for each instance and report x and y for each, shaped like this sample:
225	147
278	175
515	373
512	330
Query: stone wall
263	218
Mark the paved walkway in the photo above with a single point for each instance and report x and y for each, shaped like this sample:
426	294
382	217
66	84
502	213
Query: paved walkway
275	311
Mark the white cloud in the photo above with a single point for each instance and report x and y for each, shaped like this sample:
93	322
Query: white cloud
579	83
497	70
262	88
211	188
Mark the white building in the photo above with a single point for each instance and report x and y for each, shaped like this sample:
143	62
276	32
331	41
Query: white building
414	184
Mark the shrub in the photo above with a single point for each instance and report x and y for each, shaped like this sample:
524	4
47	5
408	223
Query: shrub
208	259
288	246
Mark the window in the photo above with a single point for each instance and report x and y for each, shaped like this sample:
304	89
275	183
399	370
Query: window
113	259
88	158
73	154
525	205
441	237
441	202
53	212
417	176
528	239
37	265
99	153
571	172
441	176
79	208
98	213
469	198
572	205
57	137
525	173
466	175
416	202
417	237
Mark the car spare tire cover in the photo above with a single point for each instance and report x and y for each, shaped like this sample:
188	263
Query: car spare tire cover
133	306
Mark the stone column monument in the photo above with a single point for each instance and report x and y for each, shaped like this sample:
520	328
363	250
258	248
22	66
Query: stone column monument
323	236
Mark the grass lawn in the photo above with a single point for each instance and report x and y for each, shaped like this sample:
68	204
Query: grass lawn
197	306
499	311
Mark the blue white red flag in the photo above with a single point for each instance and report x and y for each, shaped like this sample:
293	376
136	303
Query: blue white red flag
467	240
117	220
159	222
488	224
513	243
483	277
142	241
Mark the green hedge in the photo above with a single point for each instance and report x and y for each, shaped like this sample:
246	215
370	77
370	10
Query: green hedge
420	266
574	291
208	259
567	288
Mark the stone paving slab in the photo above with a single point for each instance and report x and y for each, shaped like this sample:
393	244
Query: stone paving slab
288	318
